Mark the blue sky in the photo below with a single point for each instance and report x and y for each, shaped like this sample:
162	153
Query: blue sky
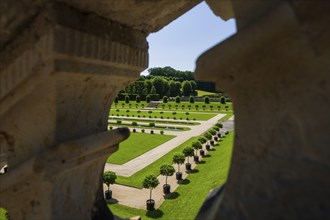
181	42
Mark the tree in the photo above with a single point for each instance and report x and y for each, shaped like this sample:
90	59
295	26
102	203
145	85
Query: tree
222	100
188	152
177	99
208	136
166	170
165	99
150	182
196	145
127	99
178	88
186	88
148	98
202	140
109	177
138	99
191	99
193	86
173	91
148	85
178	159
207	100
153	90
159	84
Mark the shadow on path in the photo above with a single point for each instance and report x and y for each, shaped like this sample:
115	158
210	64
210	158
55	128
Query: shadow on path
155	214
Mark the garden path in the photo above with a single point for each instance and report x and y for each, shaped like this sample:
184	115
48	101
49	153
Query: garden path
139	163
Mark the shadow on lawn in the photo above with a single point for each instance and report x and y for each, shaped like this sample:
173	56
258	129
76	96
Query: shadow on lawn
208	155
155	214
193	171
184	182
173	195
202	162
112	201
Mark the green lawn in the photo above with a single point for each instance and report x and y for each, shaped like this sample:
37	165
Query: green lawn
186	201
159	113
3	214
137	144
154	120
202	93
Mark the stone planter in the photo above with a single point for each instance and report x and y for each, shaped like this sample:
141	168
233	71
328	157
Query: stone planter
215	138
208	147
188	166
219	135
196	158
166	188
178	175
108	194
212	143
150	205
202	153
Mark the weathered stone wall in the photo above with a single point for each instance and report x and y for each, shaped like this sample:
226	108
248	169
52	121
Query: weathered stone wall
276	69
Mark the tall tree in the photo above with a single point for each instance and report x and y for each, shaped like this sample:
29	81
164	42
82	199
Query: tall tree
159	84
186	88
148	85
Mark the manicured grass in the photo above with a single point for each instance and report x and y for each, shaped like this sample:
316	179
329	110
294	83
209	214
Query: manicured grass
195	107
3	214
202	93
136	145
156	127
187	199
154	120
162	114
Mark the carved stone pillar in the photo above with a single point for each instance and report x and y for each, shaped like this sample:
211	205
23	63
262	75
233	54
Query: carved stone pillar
276	69
58	79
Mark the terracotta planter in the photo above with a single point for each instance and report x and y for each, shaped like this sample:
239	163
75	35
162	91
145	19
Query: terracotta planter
150	205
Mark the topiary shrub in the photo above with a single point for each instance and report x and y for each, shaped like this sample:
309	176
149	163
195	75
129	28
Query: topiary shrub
151	124
161	132
138	99
110	127
222	100
127	110
134	123
151	132
134	130
127	99
177	99
191	99
142	130
219	125
165	99
118	122
207	100
148	99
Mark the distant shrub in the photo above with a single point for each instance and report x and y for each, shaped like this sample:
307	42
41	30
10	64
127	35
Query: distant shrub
151	124
118	122
117	110
142	130
191	99
138	111
111	127
134	123
127	110
134	130
151	132
116	99
177	99
222	100
148	98
174	113
207	100
161	132
165	99
127	99
138	99
149	111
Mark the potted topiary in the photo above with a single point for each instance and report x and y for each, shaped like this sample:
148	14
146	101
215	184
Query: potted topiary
109	177
178	158
166	170
196	145
150	182
188	152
